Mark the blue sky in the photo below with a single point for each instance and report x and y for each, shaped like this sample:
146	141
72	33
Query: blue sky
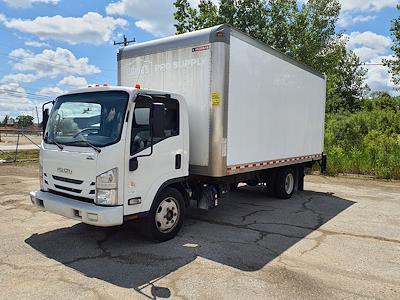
48	47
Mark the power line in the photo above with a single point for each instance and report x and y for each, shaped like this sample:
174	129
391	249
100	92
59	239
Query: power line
367	64
20	93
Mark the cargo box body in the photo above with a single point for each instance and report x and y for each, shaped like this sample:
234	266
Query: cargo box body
250	106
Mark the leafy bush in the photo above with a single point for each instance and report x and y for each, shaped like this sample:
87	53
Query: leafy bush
365	142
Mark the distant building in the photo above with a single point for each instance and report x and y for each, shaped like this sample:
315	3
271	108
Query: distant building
11	121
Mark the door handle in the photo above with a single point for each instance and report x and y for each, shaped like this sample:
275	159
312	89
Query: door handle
178	161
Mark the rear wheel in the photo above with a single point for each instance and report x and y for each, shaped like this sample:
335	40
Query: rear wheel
285	183
166	216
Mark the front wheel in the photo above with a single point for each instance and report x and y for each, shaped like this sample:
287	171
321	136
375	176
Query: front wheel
166	216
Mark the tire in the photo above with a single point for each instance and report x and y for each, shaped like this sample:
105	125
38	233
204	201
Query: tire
284	183
166	216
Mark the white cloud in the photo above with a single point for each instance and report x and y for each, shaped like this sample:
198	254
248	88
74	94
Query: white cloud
91	28
19	78
51	63
73	82
359	11
348	18
51	91
378	76
28	3
153	16
14	100
36	44
372	49
368	45
367	5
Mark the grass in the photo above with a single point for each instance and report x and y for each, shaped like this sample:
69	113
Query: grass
22	155
366	142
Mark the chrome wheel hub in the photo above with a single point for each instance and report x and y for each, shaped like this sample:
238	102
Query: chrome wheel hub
289	183
167	215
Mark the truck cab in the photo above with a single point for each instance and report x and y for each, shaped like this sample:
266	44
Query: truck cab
108	152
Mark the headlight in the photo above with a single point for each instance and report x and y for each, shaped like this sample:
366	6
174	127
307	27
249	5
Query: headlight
106	197
106	188
107	180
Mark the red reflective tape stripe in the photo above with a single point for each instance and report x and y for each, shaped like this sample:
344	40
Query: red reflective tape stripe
272	162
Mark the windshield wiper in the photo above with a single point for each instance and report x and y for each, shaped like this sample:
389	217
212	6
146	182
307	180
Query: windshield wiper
47	139
87	143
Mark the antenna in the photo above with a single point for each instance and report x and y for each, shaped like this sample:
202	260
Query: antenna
125	42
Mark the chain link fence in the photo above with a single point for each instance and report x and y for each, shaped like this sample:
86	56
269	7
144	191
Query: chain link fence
19	144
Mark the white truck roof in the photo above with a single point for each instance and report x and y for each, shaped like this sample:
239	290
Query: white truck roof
219	33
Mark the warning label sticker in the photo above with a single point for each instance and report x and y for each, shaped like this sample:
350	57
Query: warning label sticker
215	98
201	48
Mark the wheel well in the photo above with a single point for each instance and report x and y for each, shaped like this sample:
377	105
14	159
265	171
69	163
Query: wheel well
177	184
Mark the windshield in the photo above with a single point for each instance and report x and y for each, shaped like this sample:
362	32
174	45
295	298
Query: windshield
95	118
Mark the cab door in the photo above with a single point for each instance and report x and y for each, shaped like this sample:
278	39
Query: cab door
152	161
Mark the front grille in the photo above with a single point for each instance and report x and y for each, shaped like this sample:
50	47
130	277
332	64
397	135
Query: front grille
65	188
77	198
69	180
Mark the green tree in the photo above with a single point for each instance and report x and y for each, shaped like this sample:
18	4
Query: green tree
25	121
346	87
5	120
394	64
185	17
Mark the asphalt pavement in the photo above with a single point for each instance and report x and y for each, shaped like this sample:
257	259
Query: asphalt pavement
340	239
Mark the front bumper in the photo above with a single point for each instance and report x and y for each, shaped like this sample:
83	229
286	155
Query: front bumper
81	211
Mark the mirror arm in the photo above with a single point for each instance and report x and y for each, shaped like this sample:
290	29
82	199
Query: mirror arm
43	125
149	98
48	102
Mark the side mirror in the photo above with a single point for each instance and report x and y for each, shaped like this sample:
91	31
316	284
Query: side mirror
45	119
158	120
133	164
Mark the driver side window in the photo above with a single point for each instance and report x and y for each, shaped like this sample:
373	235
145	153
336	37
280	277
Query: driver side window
141	135
140	138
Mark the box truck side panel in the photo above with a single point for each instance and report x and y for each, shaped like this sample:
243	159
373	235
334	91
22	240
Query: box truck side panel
275	108
184	71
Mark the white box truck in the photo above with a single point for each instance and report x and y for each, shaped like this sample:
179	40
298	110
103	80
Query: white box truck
193	116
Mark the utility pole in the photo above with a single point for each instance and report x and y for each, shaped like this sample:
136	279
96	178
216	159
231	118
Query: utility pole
37	116
125	42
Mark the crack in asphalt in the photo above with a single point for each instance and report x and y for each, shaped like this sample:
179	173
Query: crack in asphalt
364	236
320	218
244	226
255	212
124	259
